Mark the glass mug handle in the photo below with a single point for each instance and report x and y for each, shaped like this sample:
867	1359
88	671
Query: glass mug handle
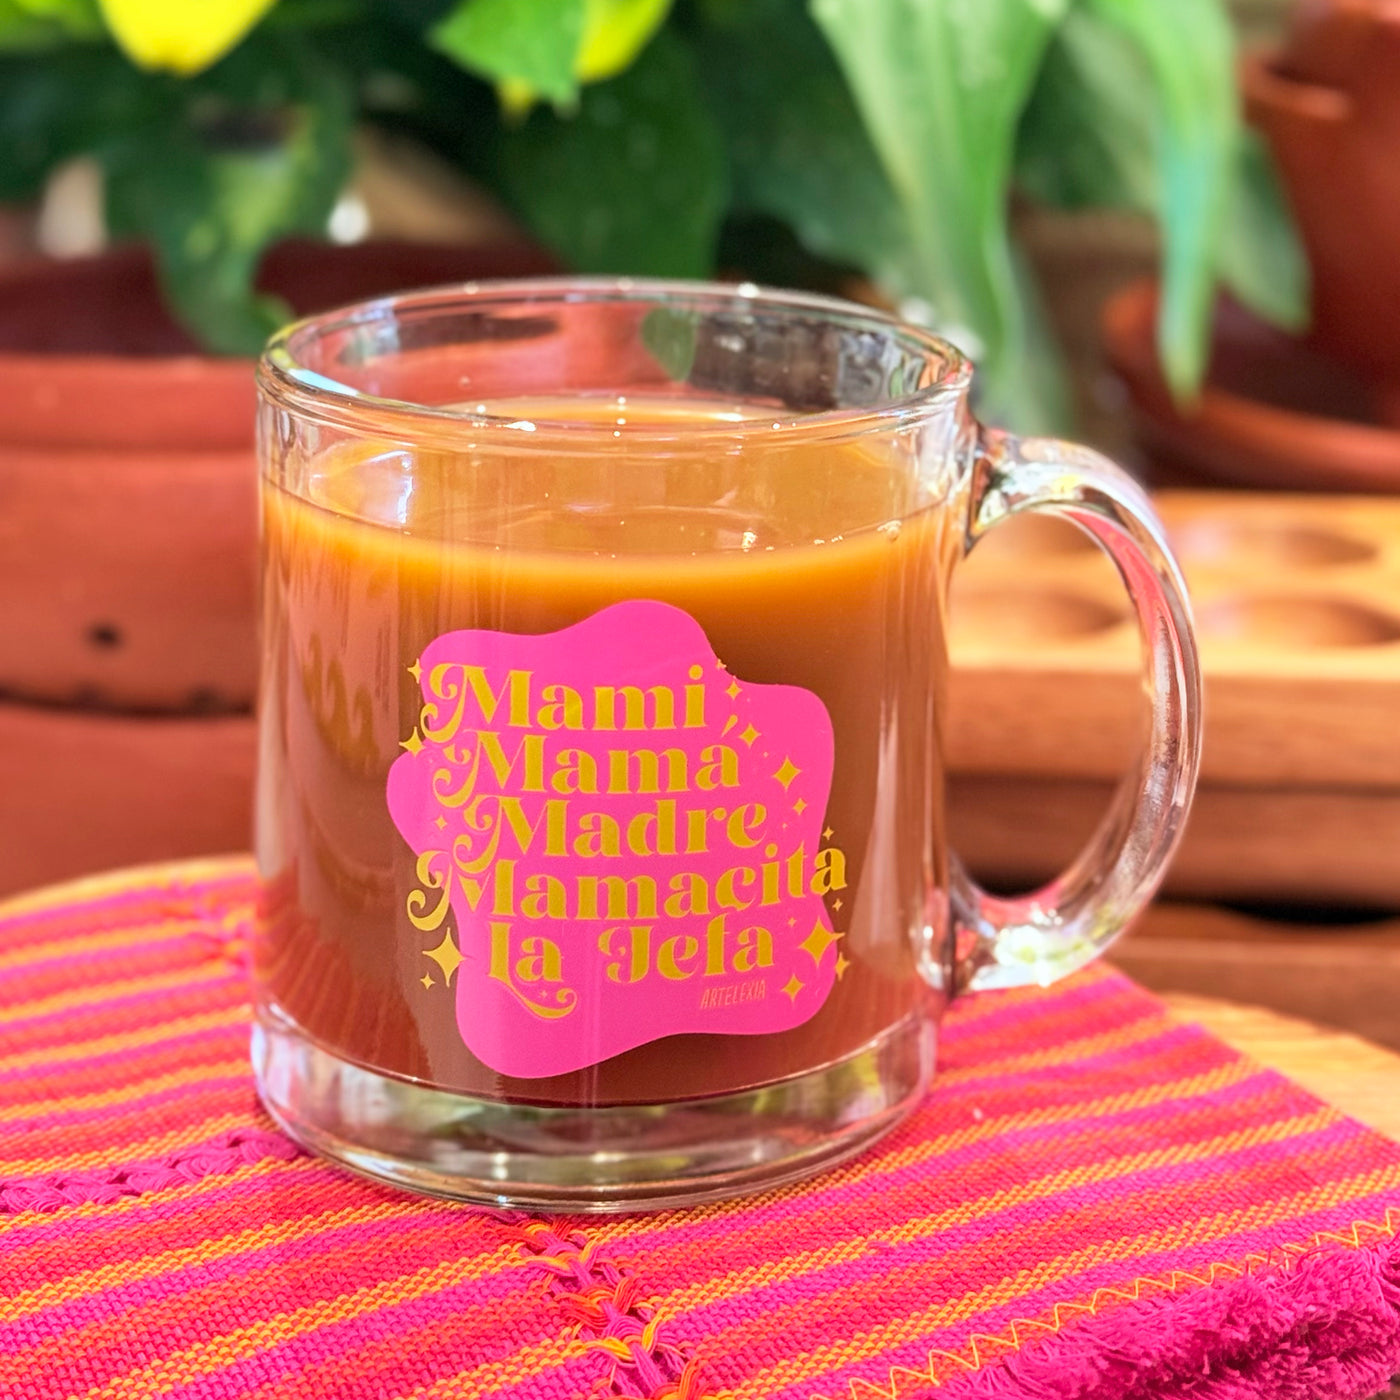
1048	934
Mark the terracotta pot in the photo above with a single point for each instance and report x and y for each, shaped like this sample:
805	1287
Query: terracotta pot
1328	102
88	791
127	525
127	552
1274	412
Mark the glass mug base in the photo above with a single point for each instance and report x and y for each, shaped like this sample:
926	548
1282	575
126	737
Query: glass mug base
647	1156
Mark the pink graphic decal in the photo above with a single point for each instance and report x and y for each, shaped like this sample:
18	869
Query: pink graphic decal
626	841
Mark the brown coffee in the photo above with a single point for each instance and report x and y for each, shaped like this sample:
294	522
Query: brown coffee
815	565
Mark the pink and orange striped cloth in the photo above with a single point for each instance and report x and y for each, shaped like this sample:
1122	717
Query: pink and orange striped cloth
1095	1202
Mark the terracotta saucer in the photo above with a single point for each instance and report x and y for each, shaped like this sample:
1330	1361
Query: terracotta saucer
1275	412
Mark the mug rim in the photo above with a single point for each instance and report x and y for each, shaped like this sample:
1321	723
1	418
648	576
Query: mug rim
284	378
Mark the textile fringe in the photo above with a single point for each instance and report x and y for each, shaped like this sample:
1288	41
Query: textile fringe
1326	1324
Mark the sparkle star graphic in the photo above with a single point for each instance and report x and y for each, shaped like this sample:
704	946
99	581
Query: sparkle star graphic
733	691
413	743
828	834
787	772
799	806
793	987
818	941
749	735
446	956
441	823
836	904
427	980
841	966
416	671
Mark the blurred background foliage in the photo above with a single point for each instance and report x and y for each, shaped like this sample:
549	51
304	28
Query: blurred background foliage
786	140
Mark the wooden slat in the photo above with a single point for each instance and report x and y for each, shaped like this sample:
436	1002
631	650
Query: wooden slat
1337	846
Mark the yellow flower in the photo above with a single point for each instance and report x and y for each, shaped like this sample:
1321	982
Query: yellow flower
614	33
182	35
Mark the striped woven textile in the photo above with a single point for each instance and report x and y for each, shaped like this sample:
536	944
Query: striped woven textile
1094	1202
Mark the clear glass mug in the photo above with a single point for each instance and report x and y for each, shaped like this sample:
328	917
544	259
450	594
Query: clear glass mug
600	807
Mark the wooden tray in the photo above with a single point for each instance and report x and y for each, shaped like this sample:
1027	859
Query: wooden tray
1298	612
1345	975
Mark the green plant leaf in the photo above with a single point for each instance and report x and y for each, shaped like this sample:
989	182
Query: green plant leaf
805	159
1087	137
76	100
20	30
38	24
670	335
940	86
1188	51
260	151
80	18
634	181
529	42
1260	258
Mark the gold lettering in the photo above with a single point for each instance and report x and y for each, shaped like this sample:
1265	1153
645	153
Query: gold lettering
541	962
770	868
476	817
715	935
450	681
682	948
521	828
500	953
547	898
796	877
577	772
636	951
689	895
695	821
472	890
755	949
648	770
653	833
695	700
488	746
417	900
444	692
721	768
830	871
626	899
599	835
663	707
563	708
503	903
745	823
727	894
556	824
